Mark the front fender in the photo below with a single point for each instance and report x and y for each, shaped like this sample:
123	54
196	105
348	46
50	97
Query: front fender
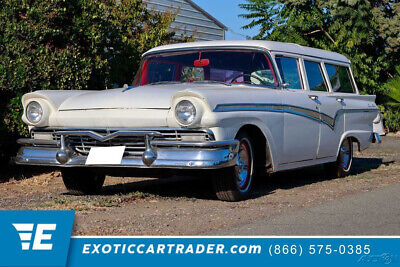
229	128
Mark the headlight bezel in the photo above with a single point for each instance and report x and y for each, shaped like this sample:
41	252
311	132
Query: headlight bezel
28	112
185	106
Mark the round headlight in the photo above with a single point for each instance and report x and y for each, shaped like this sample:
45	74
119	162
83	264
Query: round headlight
185	112
34	112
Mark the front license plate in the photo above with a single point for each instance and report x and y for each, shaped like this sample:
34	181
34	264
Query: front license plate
105	155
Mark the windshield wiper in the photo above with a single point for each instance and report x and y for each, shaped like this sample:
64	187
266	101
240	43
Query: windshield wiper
211	81
164	82
203	81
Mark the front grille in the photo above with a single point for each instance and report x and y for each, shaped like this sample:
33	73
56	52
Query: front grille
82	144
135	145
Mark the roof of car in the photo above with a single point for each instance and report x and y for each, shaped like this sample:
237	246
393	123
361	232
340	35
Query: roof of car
269	45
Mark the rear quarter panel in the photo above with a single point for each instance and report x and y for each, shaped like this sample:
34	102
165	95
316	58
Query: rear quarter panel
360	111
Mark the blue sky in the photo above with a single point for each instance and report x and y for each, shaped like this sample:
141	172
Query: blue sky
227	12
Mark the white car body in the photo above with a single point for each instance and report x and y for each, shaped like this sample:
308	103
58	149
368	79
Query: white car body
300	127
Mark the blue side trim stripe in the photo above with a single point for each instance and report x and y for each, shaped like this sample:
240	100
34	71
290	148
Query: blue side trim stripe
290	109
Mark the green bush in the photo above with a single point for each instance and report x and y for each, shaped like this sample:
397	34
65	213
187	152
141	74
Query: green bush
391	119
391	114
70	44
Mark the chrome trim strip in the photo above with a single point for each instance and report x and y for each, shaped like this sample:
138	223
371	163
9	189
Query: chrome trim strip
209	144
102	138
37	142
161	130
283	108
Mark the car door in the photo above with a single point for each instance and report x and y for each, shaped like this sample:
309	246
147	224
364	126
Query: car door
301	122
329	108
333	105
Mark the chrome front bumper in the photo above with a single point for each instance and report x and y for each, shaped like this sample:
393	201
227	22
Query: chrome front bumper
157	154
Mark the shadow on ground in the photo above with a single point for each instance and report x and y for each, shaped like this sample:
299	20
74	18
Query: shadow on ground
200	187
19	172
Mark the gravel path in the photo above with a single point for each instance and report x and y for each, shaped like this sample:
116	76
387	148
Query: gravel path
186	205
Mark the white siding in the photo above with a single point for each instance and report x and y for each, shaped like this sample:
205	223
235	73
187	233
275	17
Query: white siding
190	20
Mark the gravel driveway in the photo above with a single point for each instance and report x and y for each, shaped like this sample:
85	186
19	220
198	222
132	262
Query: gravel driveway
186	206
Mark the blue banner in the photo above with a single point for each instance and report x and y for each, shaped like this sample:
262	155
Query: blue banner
43	238
35	238
235	251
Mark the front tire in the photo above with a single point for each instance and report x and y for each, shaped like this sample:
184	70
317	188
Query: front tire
235	183
82	181
342	166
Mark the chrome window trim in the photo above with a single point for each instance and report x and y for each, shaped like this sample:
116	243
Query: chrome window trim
237	47
326	77
353	80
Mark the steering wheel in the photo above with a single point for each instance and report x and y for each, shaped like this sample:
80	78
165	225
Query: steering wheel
247	75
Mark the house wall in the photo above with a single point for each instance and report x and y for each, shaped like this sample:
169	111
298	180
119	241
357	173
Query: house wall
190	21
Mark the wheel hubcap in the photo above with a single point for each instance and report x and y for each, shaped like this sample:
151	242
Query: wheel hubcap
243	166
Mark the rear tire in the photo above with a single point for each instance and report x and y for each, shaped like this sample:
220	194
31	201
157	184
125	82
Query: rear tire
342	166
235	183
82	181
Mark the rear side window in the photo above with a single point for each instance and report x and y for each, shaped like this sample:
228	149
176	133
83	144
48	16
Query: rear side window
339	77
315	77
290	72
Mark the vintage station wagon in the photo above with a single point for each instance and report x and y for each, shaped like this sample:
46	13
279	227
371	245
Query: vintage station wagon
233	108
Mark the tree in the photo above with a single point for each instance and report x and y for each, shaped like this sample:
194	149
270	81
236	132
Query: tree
70	44
366	31
63	44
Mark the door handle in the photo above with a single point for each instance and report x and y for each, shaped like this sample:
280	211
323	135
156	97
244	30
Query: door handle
313	97
339	99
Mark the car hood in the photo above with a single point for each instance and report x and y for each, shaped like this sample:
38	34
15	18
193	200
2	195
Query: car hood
142	97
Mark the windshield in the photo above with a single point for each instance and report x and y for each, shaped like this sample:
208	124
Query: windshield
227	66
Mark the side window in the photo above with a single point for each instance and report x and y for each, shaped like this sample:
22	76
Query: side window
339	77
315	77
290	72
262	71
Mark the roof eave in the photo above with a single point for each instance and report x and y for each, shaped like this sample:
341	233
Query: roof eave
208	15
